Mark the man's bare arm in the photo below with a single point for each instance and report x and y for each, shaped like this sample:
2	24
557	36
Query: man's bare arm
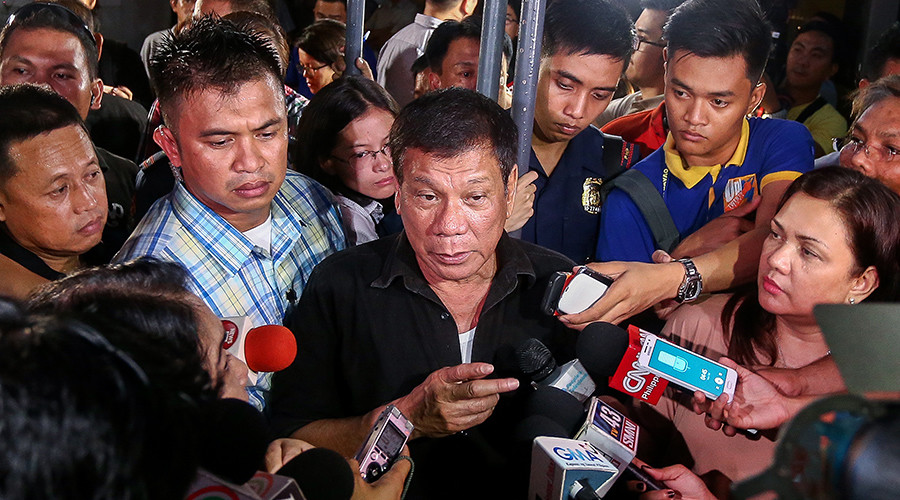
639	286
450	400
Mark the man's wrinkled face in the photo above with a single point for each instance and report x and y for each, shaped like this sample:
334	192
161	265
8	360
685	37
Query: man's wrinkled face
453	211
874	147
55	204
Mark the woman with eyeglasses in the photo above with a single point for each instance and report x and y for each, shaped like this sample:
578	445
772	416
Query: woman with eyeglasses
343	144
321	54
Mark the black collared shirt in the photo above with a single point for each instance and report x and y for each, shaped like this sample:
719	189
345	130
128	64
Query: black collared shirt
369	329
25	258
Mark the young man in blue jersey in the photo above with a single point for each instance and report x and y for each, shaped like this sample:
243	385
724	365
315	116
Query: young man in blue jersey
716	163
586	46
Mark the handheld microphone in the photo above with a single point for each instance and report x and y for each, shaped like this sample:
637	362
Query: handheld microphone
549	411
270	348
233	440
267	348
262	486
321	474
567	469
611	353
536	361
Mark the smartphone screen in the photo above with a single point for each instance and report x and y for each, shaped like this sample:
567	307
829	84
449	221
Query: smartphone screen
678	364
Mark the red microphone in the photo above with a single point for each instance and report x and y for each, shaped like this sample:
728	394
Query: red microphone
634	380
269	348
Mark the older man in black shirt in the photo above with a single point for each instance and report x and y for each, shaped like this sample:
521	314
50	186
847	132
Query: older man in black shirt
429	319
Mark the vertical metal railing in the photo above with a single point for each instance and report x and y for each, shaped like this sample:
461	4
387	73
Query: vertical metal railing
490	55
356	17
528	62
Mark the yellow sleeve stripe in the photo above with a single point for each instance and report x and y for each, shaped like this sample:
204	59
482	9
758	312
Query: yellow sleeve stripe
784	175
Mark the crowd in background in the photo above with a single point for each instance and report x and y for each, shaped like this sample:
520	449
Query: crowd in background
726	180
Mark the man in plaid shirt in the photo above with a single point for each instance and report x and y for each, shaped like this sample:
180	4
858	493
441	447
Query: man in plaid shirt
248	232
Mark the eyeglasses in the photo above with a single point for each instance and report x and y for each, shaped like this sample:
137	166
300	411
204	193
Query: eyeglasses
58	11
638	41
365	159
511	20
310	69
872	151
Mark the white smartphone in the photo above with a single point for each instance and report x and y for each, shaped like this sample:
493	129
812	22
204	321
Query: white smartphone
583	289
685	368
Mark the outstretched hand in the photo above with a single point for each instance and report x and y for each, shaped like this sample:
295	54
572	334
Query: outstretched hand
636	287
454	398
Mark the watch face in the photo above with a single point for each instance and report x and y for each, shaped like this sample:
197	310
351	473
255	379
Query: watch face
692	291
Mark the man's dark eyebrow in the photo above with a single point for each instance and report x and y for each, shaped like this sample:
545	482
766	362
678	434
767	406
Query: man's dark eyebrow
424	180
273	121
569	76
720	93
212	132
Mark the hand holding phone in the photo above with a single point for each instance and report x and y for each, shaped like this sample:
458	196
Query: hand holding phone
687	369
572	293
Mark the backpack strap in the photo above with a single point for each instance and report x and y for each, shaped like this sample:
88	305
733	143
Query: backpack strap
651	205
811	109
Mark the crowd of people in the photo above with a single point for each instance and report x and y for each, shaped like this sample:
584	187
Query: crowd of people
383	218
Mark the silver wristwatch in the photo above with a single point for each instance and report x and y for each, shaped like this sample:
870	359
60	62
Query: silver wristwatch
692	285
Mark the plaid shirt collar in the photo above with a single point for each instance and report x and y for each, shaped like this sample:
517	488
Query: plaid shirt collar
227	246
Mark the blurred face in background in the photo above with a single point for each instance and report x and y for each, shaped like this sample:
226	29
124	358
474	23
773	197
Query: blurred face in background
336	11
316	73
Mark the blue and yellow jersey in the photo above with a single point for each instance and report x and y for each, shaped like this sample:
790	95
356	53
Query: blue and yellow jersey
769	150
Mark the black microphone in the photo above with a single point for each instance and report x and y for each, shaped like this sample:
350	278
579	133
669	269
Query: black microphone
322	474
536	361
233	440
600	347
549	411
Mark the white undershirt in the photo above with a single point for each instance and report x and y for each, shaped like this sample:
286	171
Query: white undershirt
261	235
466	341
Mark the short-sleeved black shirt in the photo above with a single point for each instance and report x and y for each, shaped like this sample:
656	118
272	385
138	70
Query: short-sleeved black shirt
369	329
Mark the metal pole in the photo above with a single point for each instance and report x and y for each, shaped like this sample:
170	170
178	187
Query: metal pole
356	13
528	62
490	54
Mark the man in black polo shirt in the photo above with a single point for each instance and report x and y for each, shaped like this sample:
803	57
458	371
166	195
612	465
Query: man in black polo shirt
47	44
429	319
586	45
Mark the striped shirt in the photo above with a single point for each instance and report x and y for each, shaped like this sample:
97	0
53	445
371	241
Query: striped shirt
230	274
